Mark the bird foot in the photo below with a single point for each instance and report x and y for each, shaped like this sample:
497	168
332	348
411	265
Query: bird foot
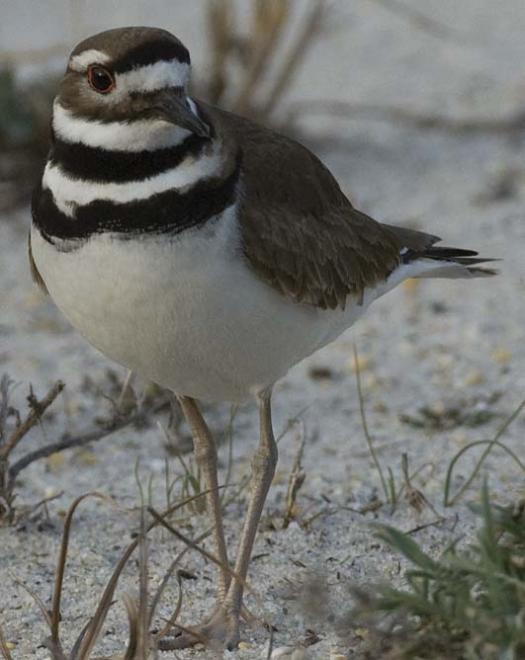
218	632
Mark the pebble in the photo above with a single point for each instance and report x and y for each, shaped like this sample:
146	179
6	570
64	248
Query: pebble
474	378
502	356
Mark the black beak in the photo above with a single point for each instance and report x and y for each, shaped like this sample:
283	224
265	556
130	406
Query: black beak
172	106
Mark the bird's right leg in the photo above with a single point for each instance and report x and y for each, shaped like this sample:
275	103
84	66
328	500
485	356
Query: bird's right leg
216	629
212	630
205	452
222	629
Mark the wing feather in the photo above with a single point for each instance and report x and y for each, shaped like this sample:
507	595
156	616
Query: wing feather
300	233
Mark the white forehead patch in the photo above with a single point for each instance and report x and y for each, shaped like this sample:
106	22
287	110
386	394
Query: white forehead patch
166	73
84	59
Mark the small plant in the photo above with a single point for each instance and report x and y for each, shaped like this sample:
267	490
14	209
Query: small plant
448	499
12	430
141	642
295	482
388	485
469	603
14	427
391	492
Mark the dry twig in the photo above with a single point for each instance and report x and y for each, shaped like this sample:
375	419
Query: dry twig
38	408
296	480
84	438
3	646
10	439
140	641
311	29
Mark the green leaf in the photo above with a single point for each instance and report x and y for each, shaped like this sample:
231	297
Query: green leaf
408	547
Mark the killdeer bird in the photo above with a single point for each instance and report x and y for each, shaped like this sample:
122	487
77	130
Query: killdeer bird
205	252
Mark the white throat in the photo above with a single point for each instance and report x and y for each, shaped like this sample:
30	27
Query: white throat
140	135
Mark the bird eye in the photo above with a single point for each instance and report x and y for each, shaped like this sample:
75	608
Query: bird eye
100	79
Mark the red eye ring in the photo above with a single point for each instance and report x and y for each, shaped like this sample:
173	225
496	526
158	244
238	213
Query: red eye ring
100	79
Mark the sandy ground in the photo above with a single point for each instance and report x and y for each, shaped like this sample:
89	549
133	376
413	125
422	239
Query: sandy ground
445	345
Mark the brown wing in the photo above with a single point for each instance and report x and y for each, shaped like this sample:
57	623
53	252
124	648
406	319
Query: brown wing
299	231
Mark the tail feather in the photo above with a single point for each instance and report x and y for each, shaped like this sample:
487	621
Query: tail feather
457	255
436	260
447	269
444	252
468	260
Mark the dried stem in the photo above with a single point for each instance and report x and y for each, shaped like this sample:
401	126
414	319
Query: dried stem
38	408
160	519
40	603
139	616
133	617
158	594
296	480
364	423
143	636
220	19
105	602
270	19
8	442
495	442
303	43
3	646
82	439
61	565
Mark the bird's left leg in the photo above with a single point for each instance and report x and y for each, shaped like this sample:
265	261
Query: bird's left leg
263	469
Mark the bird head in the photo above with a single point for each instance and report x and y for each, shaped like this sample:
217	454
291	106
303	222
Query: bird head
135	76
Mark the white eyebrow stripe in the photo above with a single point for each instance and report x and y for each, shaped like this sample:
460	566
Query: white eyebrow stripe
68	191
148	78
84	59
140	135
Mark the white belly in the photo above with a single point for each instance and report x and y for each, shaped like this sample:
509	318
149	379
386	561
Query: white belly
186	312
